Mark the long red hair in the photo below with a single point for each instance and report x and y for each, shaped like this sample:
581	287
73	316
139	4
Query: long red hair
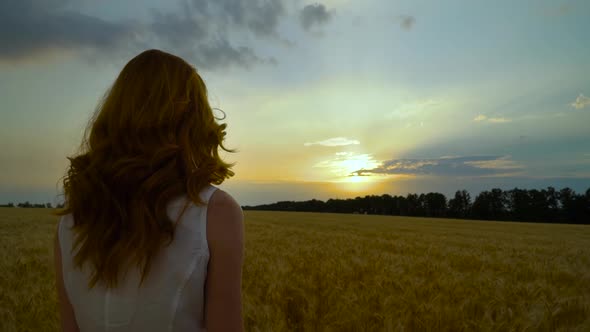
152	138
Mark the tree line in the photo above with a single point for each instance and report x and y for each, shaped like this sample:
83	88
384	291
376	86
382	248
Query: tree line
27	204
546	205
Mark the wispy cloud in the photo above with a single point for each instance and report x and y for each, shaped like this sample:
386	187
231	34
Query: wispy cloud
484	118
495	163
581	102
447	166
499	120
314	15
334	141
408	110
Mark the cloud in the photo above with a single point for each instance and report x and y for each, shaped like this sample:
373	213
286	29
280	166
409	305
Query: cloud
446	166
344	164
499	120
483	118
581	102
220	53
496	163
315	14
335	141
202	31
261	17
408	110
33	28
406	22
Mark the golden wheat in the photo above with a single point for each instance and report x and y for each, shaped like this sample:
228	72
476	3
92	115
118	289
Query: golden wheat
334	272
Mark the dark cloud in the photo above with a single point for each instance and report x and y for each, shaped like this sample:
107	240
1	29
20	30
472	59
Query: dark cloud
201	31
178	29
315	14
219	53
29	28
406	22
260	17
446	166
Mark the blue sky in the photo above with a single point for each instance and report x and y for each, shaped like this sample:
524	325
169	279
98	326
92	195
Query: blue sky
330	99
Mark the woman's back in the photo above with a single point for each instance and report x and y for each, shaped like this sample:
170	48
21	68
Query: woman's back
171	297
153	145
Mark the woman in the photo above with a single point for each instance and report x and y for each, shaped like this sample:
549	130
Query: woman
145	242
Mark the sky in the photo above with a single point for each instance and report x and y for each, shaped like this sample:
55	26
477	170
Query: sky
328	99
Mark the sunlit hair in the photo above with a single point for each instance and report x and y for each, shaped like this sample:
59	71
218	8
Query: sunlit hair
152	138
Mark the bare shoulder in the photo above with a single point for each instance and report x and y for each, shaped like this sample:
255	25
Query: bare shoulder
225	219
223	208
222	199
223	289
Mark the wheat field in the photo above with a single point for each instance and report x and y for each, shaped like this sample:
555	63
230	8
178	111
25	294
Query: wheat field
334	272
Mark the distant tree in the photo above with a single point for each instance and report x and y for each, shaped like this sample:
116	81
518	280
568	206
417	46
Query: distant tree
574	208
490	205
26	204
581	210
413	205
385	204
11	205
481	206
546	205
460	205
519	204
421	211
567	202
396	204
401	206
435	205
499	203
552	197
532	205
48	205
540	209
372	204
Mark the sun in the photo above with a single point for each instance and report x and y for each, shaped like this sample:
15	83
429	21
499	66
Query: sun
357	179
357	183
341	170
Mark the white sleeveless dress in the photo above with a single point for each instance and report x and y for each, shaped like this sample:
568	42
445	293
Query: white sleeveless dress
171	297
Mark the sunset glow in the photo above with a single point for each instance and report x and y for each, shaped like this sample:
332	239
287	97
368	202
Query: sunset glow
370	97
